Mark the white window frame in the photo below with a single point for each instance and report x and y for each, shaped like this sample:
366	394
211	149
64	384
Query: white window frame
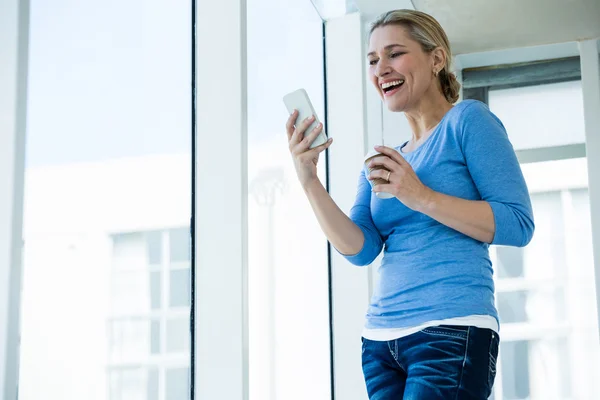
590	84
14	31
221	202
347	123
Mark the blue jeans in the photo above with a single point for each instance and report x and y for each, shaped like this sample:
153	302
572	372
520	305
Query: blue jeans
441	362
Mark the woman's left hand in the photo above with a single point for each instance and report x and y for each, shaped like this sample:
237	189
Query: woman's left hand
402	179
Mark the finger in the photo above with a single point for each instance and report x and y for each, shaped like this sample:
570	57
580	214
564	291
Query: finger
387	188
317	150
384	161
380	174
300	128
308	139
289	126
391	153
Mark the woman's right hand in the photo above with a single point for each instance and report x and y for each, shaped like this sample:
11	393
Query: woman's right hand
305	159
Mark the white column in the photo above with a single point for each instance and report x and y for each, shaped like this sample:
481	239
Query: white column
590	83
14	27
221	324
346	122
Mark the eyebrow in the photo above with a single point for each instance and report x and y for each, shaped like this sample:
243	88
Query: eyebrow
389	46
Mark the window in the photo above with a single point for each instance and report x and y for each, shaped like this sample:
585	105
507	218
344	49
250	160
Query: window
288	262
153	333
529	125
546	296
545	291
105	301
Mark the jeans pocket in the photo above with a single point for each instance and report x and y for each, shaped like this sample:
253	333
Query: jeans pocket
448	331
493	358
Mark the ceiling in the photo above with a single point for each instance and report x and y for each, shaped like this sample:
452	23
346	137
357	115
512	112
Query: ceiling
484	25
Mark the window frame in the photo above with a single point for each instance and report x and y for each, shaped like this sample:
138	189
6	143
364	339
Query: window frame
477	82
14	48
220	366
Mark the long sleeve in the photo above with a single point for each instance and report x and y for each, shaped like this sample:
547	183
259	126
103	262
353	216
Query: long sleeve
496	172
360	214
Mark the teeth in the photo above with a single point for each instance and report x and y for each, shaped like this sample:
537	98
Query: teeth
394	83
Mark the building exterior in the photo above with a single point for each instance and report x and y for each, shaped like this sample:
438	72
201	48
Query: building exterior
106	293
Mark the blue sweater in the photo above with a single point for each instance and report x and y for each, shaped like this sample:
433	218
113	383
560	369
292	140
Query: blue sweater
430	271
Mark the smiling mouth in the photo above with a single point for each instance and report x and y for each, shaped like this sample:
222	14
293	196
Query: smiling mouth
389	86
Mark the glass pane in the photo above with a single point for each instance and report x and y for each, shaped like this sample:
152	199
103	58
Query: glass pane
155	290
154	246
128	384
134	292
128	252
179	292
509	262
515	370
546	305
533	115
134	339
289	331
115	385
108	173
178	335
153	389
155	337
545	256
538	369
177	384
179	241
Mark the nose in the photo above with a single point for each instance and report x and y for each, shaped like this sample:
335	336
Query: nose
382	69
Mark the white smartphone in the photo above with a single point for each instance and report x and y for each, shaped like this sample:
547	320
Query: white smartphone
298	100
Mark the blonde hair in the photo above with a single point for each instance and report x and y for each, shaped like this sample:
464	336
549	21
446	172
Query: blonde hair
425	30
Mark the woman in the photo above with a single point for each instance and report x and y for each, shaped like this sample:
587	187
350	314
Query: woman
432	327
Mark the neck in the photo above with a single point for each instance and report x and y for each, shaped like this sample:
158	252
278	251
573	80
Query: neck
426	115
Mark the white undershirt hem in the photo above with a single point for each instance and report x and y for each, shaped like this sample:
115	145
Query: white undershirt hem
479	321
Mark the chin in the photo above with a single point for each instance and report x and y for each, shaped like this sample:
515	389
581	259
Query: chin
395	106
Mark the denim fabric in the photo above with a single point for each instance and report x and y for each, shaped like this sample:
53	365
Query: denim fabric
442	362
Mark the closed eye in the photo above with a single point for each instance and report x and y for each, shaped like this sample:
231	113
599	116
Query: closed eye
392	55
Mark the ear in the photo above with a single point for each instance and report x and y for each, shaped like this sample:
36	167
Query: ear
438	57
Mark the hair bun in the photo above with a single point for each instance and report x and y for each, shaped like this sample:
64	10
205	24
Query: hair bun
450	86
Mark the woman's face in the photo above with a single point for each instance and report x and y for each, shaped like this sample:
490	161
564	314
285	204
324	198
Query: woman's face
399	68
